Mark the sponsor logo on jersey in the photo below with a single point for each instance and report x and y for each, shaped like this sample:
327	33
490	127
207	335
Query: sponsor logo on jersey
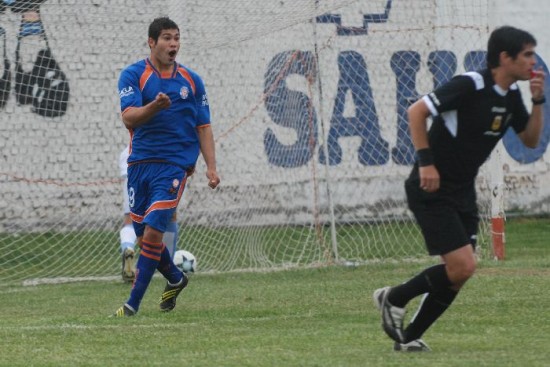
184	92
204	100
498	109
124	92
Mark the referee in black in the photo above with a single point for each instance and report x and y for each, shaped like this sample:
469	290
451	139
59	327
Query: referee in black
470	115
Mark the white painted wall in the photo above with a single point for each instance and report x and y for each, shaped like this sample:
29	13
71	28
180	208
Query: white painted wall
62	172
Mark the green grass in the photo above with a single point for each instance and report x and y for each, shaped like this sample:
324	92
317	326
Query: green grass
307	317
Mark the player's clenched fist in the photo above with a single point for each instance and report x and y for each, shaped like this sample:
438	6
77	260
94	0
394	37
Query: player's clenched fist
536	84
162	101
213	179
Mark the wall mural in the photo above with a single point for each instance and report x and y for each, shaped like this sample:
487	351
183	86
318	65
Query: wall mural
42	84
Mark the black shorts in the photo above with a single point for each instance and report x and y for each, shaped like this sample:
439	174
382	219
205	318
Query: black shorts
448	218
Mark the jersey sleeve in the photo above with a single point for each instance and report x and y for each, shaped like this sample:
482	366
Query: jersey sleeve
128	90
203	116
520	116
450	95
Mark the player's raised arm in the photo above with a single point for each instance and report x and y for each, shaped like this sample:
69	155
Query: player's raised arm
137	116
531	135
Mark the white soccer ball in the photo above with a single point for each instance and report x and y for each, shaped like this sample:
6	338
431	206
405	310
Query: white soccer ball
185	261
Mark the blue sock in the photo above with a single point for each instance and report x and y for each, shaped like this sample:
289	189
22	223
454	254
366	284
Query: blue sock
147	263
167	268
170	238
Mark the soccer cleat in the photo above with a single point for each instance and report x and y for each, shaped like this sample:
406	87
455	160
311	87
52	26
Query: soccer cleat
171	292
128	273
392	317
417	345
124	311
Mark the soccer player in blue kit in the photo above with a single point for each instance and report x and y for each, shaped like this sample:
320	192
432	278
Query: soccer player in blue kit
165	108
471	113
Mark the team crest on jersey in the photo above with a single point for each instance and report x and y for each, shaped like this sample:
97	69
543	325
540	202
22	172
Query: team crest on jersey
184	92
497	123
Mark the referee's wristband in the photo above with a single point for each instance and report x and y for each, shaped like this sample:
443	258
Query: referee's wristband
538	101
424	157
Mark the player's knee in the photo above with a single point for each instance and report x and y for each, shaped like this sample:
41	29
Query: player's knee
460	272
152	235
467	270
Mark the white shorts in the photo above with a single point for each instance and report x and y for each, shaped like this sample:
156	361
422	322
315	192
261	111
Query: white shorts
123	166
123	161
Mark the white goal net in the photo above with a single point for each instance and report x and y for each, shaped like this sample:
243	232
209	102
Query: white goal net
308	102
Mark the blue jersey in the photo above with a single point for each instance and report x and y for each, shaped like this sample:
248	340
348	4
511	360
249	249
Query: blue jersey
170	135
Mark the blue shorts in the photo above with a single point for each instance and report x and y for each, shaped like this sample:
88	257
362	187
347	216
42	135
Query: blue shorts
154	191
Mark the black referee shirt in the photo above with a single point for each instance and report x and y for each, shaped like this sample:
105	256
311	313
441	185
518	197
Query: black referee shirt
470	115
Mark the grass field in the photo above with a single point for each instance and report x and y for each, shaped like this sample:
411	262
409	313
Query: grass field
308	317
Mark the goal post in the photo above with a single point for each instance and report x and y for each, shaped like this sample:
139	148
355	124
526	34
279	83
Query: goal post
308	102
497	204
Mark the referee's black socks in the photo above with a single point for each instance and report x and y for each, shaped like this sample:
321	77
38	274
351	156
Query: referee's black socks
431	308
430	280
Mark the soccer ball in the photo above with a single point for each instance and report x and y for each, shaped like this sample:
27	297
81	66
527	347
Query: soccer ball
185	261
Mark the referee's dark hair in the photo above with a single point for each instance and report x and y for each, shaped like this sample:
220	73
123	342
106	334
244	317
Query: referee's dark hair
508	39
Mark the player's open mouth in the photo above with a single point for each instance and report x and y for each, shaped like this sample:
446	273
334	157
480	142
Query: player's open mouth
172	53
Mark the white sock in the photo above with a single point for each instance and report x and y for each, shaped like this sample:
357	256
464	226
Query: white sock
127	237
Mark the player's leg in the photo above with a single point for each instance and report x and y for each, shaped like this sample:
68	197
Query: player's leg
391	301
166	265
152	210
127	234
168	188
139	201
127	238
437	301
170	238
151	250
433	213
176	280
442	282
127	243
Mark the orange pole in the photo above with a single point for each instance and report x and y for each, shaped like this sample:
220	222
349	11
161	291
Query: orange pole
497	231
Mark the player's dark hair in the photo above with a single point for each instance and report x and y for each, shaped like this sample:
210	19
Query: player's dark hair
508	39
160	24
